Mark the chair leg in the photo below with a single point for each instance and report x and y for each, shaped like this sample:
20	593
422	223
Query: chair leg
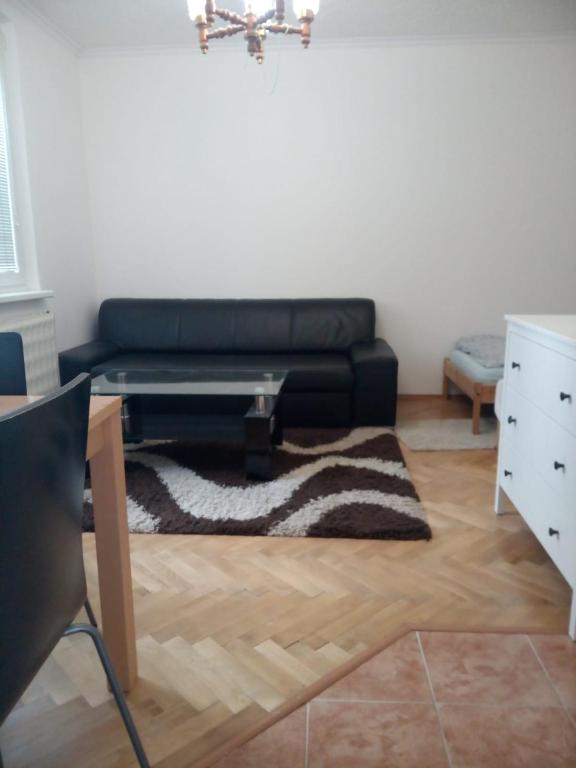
91	617
98	641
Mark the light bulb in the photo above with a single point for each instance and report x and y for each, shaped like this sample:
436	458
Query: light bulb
301	6
259	7
196	8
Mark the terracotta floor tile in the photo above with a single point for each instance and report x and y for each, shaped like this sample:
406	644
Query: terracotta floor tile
524	737
558	654
358	735
282	746
396	674
476	668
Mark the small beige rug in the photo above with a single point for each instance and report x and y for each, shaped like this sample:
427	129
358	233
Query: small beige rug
447	434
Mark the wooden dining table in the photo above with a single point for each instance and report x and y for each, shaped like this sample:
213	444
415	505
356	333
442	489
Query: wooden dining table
106	456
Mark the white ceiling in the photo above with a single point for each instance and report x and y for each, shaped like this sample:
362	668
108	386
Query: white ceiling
126	23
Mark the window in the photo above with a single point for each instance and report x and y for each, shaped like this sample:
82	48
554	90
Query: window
9	270
18	270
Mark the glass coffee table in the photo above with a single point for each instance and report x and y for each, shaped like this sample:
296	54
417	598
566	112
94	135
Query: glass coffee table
191	404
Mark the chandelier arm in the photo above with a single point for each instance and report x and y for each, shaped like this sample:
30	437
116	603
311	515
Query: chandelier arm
305	30
209	7
265	17
230	16
259	51
221	32
283	29
202	27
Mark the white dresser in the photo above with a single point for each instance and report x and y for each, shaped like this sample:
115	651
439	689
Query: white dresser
537	453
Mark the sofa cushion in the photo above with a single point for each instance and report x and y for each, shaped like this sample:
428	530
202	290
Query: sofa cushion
263	326
206	326
307	372
139	324
331	324
237	326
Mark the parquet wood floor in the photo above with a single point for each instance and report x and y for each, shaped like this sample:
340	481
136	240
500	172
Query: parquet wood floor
230	628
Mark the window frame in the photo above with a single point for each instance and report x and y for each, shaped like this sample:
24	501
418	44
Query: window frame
11	279
26	279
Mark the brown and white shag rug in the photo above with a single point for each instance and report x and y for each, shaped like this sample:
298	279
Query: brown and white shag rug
326	483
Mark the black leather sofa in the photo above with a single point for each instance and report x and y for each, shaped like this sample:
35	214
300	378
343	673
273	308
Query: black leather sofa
339	373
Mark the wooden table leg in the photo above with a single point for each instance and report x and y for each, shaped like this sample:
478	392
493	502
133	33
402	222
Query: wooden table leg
476	411
113	551
445	381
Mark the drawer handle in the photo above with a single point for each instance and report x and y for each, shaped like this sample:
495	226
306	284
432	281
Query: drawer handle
512	420
507	473
558	465
565	396
553	532
515	365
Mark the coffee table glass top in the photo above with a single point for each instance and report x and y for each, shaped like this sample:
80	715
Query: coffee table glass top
189	382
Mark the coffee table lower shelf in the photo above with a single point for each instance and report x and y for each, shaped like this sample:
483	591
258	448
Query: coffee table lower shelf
259	430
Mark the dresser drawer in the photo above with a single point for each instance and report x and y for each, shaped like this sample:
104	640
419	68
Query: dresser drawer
558	393
554	457
553	525
550	449
525	364
516	425
551	518
544	376
513	475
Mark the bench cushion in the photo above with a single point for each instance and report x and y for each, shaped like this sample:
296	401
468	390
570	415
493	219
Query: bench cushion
474	369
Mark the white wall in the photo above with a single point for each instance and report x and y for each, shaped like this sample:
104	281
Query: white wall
439	180
52	122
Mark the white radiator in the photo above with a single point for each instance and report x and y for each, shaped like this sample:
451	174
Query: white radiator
40	355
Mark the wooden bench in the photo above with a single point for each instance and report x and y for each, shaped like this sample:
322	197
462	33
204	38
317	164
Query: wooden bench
479	393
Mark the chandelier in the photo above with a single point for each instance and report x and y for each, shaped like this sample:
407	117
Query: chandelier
260	18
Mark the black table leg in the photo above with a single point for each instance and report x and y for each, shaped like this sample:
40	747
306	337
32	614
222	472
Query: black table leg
277	426
260	431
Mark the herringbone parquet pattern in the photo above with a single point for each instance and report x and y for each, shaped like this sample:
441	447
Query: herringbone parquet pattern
231	628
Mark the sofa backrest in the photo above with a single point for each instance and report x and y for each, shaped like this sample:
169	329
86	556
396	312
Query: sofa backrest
237	325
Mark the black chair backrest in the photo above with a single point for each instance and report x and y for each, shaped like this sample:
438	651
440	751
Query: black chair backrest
42	580
12	370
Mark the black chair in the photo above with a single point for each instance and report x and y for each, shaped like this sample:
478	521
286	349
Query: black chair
13	382
12	369
42	579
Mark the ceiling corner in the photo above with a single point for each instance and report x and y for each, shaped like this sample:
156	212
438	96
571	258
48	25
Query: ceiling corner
47	25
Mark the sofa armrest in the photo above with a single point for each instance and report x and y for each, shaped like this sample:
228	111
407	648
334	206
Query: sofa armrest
83	358
375	368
